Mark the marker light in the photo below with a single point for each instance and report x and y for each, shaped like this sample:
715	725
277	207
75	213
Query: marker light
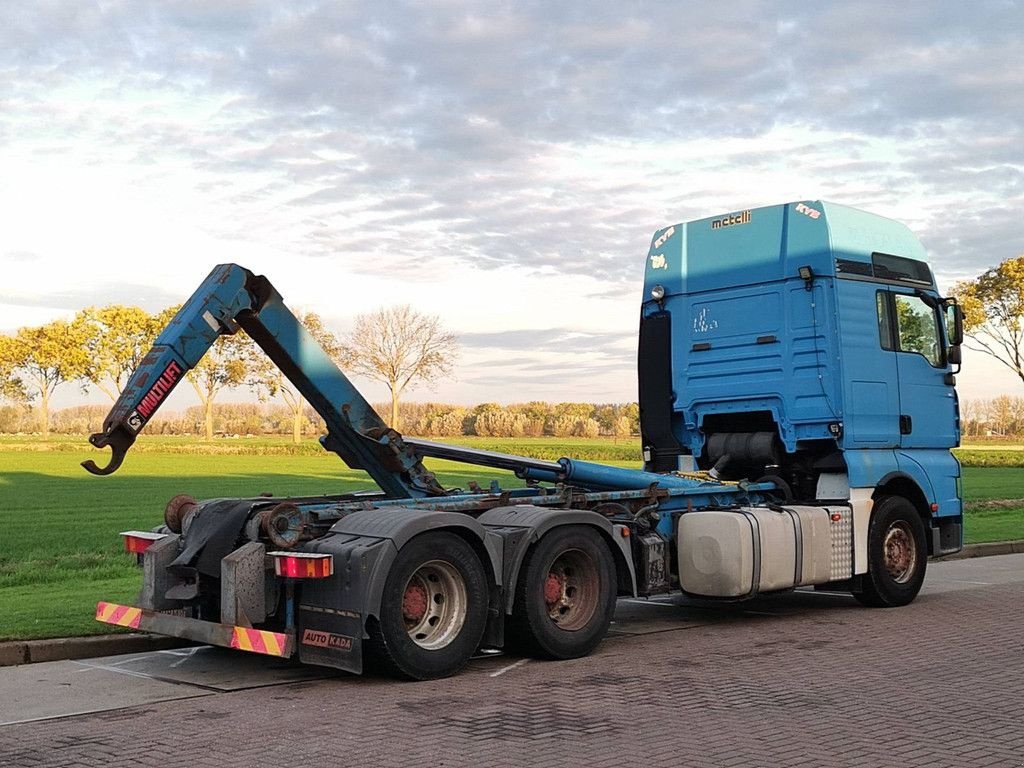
658	292
303	565
807	275
138	542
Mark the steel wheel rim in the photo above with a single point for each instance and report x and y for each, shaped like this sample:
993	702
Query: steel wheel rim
900	552
572	589
434	604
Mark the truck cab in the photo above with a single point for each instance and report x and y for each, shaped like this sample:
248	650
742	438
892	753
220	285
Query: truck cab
806	344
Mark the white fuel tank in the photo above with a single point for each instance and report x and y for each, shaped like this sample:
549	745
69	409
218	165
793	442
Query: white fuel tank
739	553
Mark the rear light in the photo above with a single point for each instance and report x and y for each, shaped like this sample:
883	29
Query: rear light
138	542
303	565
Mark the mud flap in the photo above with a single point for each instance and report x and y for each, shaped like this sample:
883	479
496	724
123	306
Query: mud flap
332	613
330	637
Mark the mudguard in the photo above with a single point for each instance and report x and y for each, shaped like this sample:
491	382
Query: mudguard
522	525
333	612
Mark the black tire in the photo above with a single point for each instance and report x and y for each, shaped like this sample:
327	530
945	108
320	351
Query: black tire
433	609
575	562
897	554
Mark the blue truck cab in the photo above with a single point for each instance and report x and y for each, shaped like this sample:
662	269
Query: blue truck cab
805	344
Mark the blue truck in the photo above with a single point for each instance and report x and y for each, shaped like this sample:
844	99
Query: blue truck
797	410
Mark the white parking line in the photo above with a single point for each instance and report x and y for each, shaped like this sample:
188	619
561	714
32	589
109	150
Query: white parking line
503	670
181	651
185	656
109	668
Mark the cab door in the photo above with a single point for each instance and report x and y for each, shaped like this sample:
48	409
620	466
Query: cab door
927	416
870	379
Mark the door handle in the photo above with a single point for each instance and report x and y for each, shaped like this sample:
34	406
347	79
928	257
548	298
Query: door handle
906	424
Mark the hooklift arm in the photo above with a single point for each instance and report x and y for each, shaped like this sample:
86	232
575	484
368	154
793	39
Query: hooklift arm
233	297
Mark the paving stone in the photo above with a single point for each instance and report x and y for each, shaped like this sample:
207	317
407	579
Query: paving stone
939	683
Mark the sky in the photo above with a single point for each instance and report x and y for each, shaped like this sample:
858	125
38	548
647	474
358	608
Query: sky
501	165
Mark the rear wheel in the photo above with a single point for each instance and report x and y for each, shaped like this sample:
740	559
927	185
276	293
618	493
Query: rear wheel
433	609
897	554
565	595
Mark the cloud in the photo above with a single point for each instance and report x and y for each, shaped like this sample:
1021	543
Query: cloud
151	298
558	340
409	140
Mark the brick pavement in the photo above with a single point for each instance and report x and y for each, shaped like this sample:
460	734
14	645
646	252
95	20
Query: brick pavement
938	683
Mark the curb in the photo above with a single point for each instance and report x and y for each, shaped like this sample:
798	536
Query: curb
66	648
988	549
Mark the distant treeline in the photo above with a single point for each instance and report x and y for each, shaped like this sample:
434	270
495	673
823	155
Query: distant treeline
1001	416
533	419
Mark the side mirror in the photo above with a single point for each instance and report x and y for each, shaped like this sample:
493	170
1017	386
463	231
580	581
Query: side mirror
954	322
958	326
953	356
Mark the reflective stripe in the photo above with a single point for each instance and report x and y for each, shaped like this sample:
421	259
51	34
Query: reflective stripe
121	615
275	643
242	638
258	641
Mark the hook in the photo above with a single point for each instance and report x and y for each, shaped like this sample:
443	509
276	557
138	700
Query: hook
119	440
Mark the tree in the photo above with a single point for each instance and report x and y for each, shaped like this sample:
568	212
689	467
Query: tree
1001	413
226	364
399	347
269	381
35	361
11	386
993	305
116	339
970	417
632	412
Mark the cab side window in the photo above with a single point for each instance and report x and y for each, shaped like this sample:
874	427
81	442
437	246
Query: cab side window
917	328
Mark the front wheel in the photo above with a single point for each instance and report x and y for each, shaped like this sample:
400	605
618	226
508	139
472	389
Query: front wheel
897	554
565	595
433	609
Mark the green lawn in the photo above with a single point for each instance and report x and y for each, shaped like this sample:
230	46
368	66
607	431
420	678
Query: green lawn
59	548
981	483
60	552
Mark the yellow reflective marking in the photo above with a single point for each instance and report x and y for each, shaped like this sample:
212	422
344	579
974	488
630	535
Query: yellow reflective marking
270	640
243	639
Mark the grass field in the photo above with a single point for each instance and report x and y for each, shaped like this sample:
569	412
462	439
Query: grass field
60	552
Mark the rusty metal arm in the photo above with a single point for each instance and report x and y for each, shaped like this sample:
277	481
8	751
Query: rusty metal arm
232	297
208	314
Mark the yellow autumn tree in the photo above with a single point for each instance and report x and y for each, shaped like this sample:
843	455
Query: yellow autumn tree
226	364
116	339
35	361
269	381
993	305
